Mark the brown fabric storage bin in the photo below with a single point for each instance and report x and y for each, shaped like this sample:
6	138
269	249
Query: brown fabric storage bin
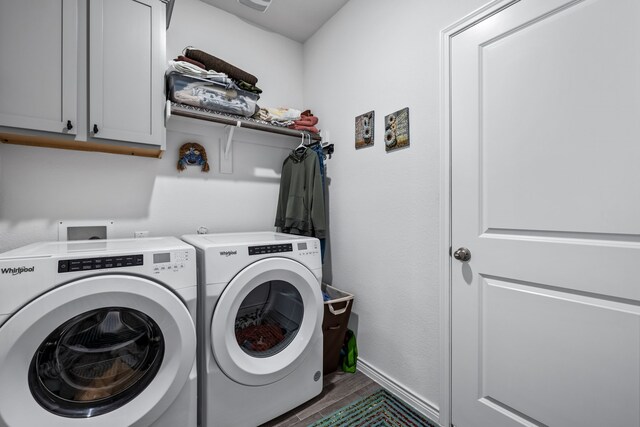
334	325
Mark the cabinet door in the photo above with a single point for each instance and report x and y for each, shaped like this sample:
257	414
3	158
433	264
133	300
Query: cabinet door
38	70
126	70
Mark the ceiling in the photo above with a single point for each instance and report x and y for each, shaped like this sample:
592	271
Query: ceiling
295	19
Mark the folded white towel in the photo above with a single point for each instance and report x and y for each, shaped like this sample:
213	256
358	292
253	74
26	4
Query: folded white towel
283	114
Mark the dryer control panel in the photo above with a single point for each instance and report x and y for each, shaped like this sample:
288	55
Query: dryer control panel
299	248
270	249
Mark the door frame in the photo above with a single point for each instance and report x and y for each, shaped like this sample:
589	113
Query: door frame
446	39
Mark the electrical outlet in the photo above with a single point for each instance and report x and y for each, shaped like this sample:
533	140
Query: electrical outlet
140	234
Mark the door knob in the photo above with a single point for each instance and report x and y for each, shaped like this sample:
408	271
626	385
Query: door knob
462	254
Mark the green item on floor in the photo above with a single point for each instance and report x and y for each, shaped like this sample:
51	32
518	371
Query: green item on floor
350	352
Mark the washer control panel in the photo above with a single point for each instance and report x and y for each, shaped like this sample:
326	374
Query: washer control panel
156	262
305	248
169	261
270	249
85	264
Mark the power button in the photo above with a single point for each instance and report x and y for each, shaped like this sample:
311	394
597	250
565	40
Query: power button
63	266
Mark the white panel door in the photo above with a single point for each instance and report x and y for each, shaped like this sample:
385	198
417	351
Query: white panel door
126	70
545	137
38	70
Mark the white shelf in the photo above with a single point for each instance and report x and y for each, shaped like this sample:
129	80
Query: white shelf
231	122
236	121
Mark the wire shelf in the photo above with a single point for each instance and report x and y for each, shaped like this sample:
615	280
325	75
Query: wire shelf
239	121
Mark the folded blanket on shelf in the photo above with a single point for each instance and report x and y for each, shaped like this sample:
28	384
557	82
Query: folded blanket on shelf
188	69
262	114
283	114
285	117
213	63
248	87
282	123
307	121
307	128
185	59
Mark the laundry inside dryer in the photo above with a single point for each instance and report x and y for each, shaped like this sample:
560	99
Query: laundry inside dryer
269	318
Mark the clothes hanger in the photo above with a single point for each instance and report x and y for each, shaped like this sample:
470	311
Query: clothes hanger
312	143
301	148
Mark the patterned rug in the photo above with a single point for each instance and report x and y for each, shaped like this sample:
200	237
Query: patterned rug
381	409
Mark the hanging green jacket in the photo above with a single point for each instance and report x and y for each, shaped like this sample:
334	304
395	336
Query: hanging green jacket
301	200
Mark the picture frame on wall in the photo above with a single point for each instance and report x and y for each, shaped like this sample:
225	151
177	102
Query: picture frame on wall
365	126
396	130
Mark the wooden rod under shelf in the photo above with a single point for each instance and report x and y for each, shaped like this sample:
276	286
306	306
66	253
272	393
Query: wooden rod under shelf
40	141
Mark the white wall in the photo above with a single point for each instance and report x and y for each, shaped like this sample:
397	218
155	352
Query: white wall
41	186
275	60
384	207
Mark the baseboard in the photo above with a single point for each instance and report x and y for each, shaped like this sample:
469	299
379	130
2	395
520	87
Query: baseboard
421	405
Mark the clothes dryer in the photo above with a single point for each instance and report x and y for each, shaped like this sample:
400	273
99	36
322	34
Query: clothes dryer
260	322
98	334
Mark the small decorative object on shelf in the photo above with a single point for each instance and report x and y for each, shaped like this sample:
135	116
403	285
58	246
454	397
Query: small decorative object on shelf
192	154
396	130
365	125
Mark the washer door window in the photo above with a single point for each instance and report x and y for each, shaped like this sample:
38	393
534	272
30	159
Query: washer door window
265	320
110	350
96	362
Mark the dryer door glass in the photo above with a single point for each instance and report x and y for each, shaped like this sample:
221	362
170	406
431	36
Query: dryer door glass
269	318
96	362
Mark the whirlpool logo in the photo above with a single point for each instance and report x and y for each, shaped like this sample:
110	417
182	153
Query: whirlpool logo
228	253
19	270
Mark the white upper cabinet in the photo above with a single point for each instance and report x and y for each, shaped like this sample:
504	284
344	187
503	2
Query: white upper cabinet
38	70
126	64
70	68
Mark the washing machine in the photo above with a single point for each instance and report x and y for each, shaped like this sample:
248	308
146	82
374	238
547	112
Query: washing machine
260	322
98	333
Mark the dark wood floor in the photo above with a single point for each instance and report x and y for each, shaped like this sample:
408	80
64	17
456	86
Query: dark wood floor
340	389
